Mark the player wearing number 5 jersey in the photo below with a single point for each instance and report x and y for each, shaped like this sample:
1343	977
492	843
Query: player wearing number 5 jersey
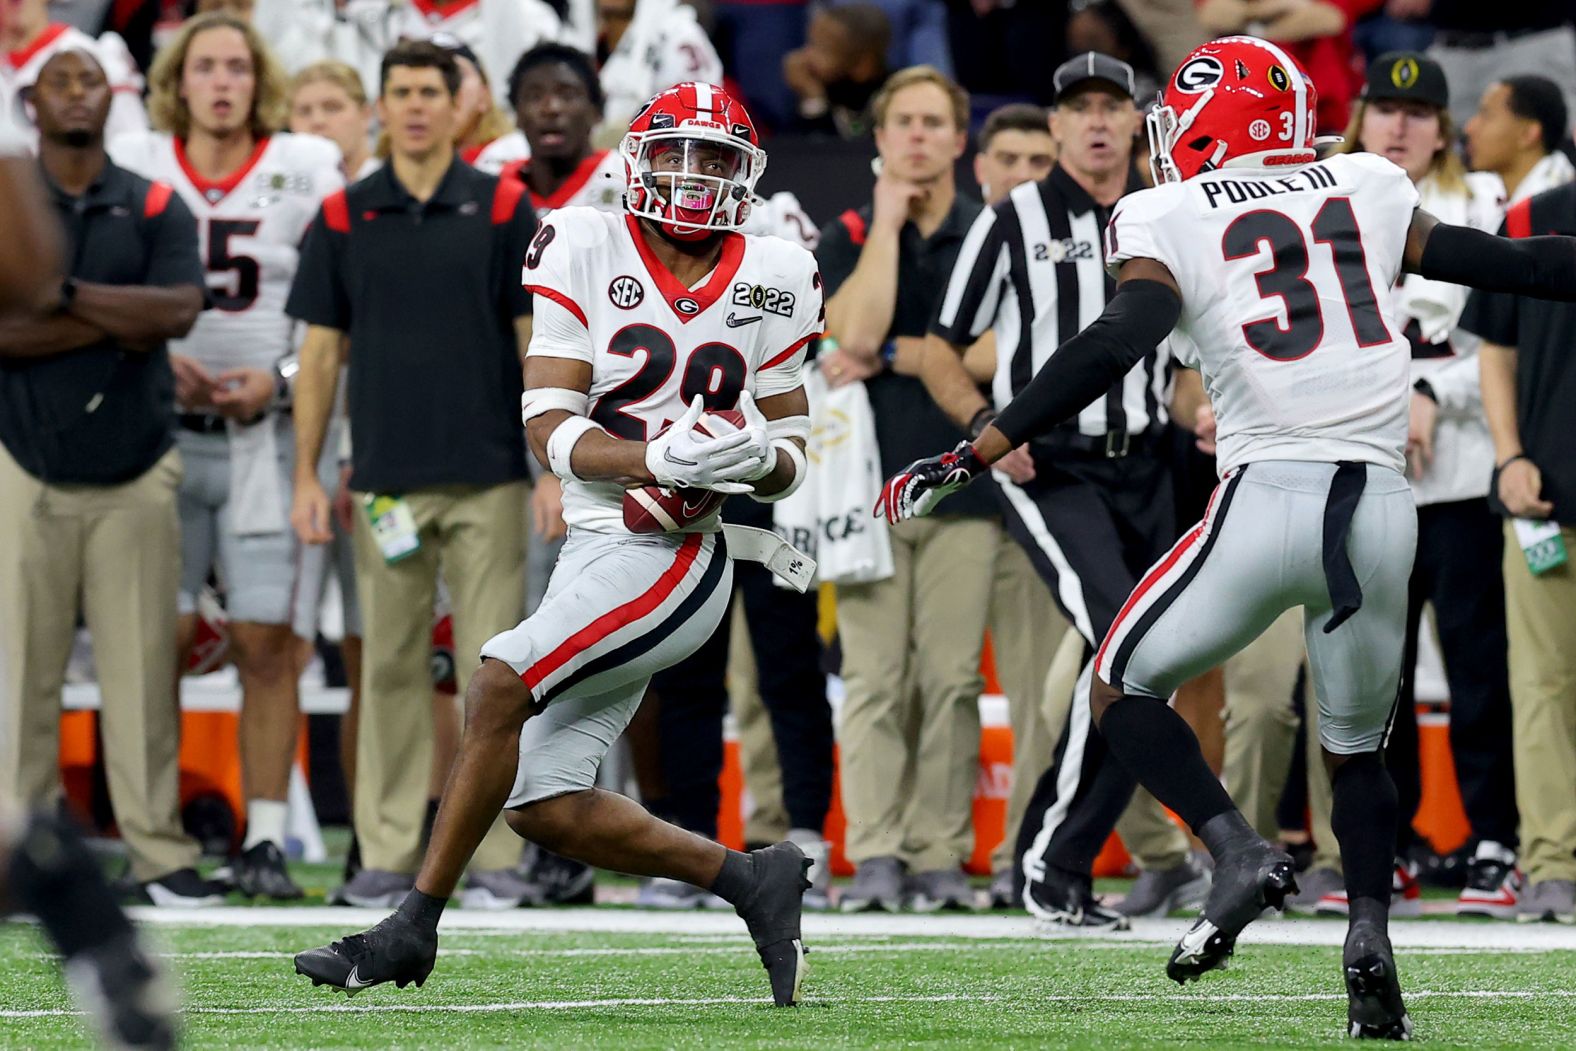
217	95
1280	268
645	325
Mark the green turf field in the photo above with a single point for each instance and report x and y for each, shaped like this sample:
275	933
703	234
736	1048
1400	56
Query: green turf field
617	978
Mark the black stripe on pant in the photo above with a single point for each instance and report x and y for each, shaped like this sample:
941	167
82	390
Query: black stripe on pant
692	700
1108	521
1457	571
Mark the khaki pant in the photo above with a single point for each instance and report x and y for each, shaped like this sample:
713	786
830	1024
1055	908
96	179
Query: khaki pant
1261	729
910	729
1026	630
477	537
1540	620
116	550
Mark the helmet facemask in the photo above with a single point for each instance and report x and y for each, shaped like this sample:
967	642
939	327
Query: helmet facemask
691	181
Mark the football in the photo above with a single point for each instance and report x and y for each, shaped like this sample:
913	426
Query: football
653	509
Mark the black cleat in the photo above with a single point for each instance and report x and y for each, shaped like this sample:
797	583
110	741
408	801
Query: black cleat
261	872
124	993
772	912
1247	881
1374	1009
395	950
1066	899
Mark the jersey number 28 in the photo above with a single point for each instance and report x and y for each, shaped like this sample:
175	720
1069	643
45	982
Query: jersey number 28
1287	278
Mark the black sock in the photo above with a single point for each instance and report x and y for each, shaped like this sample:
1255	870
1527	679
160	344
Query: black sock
1158	747
427	821
56	878
735	879
422	909
1363	816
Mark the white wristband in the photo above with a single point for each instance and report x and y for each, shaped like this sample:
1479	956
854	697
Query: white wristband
561	443
801	467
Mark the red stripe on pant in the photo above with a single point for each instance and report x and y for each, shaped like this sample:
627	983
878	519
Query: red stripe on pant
1155	576
640	606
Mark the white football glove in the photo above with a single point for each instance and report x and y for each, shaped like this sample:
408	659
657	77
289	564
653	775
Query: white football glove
756	427
682	457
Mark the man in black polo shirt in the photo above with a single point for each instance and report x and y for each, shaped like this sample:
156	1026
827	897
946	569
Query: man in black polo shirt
914	638
1529	386
419	265
88	478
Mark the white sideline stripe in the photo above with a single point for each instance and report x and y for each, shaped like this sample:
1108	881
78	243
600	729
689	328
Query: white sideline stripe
726	1001
818	949
1404	934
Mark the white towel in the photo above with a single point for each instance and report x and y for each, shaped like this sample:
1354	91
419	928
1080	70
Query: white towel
257	487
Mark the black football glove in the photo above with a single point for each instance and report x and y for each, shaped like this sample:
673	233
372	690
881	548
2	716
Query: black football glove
918	488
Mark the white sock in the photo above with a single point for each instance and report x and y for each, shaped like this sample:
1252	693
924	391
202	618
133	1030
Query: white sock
265	820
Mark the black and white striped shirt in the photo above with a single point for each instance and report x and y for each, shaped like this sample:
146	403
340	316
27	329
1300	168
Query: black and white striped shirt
1034	267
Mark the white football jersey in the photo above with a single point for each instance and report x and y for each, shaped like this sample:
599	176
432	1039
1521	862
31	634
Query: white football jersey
653	344
19	70
498	31
249	231
663	46
1287	281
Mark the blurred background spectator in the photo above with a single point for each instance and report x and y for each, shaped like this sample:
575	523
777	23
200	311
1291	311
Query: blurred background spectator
840	68
1476	43
753	37
647	46
88	476
911	658
30	38
1516	134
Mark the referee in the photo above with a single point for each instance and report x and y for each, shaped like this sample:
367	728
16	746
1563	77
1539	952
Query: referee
1097	509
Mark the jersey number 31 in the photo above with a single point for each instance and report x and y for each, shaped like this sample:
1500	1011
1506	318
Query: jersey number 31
1287	279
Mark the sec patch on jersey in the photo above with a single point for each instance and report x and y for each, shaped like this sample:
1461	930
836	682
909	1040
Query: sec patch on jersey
653	509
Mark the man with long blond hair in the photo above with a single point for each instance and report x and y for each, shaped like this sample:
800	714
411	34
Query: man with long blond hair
217	98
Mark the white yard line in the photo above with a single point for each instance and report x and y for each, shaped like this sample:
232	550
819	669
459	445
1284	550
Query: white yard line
1405	934
727	1001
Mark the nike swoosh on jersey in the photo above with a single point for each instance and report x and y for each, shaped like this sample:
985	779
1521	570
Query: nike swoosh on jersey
734	321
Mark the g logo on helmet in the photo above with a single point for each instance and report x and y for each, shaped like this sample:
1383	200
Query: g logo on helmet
1279	79
1199	74
1404	73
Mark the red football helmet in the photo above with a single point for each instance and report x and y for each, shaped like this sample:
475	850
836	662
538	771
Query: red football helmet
1234	102
691	158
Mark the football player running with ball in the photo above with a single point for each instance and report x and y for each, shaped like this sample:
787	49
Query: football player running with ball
663	313
1280	268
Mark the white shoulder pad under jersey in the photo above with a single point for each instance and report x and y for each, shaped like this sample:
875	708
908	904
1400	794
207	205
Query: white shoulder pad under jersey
1287	280
249	231
601	297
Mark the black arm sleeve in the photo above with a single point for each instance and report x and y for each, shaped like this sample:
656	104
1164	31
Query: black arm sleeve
1543	267
1138	317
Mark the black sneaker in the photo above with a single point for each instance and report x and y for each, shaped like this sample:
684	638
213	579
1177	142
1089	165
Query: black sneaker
181	888
261	872
1250	876
772	911
560	880
1374	1009
395	950
1066	899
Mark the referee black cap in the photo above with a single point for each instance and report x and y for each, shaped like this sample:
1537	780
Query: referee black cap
1407	75
1091	65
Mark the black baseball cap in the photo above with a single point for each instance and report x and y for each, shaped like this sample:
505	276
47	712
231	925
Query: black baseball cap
1407	75
1091	65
